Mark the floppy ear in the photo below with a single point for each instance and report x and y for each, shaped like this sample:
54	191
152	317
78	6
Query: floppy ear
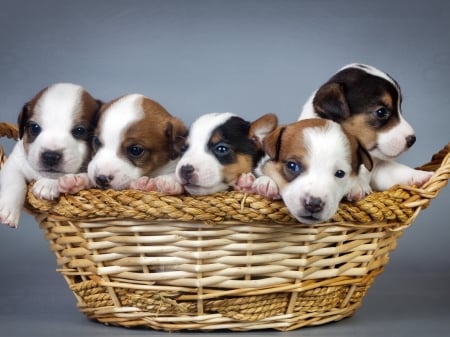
176	133
261	127
272	143
24	115
329	102
364	157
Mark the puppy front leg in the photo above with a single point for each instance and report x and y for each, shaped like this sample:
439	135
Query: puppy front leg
360	185
263	185
167	184
46	188
389	173
13	188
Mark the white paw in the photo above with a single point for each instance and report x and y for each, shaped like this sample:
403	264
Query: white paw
244	182
9	215
46	188
266	187
73	183
360	189
418	177
166	184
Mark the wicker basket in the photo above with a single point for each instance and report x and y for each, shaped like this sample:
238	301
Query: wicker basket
224	261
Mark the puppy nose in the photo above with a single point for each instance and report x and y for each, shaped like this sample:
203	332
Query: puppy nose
51	158
410	140
313	204
103	181
186	171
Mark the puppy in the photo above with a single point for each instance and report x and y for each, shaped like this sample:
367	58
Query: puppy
367	103
135	136
54	139
312	164
219	149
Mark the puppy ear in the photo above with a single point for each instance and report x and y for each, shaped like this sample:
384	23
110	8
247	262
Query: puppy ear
261	127
272	143
22	120
329	102
176	133
364	157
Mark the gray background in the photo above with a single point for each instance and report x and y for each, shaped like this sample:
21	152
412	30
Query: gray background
248	57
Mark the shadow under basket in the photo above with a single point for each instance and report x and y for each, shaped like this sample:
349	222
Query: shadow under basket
224	261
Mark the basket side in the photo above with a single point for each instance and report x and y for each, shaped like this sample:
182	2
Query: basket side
190	275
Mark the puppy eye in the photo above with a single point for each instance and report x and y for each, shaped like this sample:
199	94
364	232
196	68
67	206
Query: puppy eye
184	148
293	167
96	143
34	129
383	113
78	132
339	174
135	150
221	149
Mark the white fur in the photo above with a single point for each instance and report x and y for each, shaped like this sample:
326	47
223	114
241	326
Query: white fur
319	180
54	113
390	144
119	116
207	169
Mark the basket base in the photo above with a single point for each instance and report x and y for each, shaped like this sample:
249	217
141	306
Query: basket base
163	310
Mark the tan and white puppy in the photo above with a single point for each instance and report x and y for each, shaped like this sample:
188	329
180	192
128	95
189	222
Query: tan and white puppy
54	139
135	136
367	103
312	164
219	149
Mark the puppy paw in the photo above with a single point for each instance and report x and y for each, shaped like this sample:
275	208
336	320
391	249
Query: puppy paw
244	182
46	188
9	215
359	191
266	187
142	184
166	184
73	183
418	177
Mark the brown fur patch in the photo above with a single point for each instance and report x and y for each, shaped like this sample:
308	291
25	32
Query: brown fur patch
357	126
152	134
242	164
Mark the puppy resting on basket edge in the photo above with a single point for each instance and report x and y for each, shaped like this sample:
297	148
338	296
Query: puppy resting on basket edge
54	139
219	149
135	136
367	103
312	164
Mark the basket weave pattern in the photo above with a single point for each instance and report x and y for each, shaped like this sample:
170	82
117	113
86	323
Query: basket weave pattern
224	261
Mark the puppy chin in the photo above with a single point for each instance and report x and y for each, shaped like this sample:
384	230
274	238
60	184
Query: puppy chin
311	219
389	152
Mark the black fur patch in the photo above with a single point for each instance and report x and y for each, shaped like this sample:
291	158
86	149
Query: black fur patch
234	134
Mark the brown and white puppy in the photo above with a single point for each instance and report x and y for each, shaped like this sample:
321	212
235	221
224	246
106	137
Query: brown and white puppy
54	139
312	164
135	136
219	149
367	103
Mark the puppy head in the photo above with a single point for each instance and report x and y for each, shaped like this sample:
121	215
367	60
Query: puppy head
135	136
220	147
313	162
55	128
367	102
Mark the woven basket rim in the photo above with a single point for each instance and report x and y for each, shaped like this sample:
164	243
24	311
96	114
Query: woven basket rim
394	208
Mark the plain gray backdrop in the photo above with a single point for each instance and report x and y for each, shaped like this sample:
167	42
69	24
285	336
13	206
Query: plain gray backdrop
251	58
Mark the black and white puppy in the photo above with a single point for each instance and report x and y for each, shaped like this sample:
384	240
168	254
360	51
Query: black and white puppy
309	174
367	103
220	148
54	140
